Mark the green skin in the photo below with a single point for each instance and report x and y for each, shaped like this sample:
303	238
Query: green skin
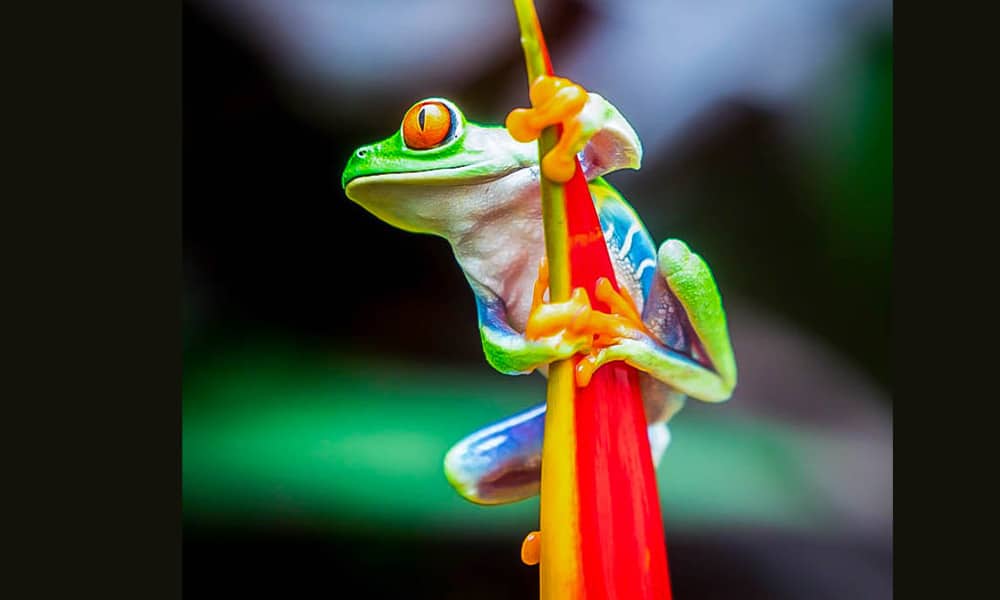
479	190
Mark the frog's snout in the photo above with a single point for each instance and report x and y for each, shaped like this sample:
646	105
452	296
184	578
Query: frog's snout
356	164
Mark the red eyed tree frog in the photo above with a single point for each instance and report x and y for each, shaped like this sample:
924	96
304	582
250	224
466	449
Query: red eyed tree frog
478	188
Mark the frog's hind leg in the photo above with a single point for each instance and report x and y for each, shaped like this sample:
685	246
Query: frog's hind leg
502	463
691	282
706	370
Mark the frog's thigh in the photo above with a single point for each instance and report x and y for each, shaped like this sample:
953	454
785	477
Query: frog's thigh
691	281
660	401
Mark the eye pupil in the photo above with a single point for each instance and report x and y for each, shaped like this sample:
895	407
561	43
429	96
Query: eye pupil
421	117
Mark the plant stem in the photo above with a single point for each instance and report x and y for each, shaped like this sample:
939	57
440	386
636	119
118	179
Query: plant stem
559	567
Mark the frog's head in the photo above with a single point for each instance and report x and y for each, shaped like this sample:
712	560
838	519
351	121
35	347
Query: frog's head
439	169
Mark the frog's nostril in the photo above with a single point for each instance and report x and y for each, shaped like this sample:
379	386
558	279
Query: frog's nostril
361	153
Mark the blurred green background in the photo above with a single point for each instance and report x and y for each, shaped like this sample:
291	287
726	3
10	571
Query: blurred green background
330	360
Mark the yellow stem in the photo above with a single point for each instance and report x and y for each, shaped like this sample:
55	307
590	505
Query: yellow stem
527	20
559	566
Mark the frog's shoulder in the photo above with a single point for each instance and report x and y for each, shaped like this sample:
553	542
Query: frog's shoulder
629	243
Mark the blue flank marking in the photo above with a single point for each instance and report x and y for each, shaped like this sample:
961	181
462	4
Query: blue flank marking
491	311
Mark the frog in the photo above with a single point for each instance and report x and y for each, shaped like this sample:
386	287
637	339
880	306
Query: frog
478	188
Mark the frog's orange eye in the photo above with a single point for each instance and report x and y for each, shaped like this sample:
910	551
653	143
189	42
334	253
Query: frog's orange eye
426	125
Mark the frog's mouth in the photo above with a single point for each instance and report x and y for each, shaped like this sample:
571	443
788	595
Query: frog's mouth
470	174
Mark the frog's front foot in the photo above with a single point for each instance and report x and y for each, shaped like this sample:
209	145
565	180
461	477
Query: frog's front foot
560	325
576	321
554	101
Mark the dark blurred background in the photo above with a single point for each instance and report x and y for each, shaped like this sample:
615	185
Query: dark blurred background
331	360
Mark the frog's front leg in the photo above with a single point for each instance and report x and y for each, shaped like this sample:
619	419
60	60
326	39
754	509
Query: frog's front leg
712	376
554	331
512	352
